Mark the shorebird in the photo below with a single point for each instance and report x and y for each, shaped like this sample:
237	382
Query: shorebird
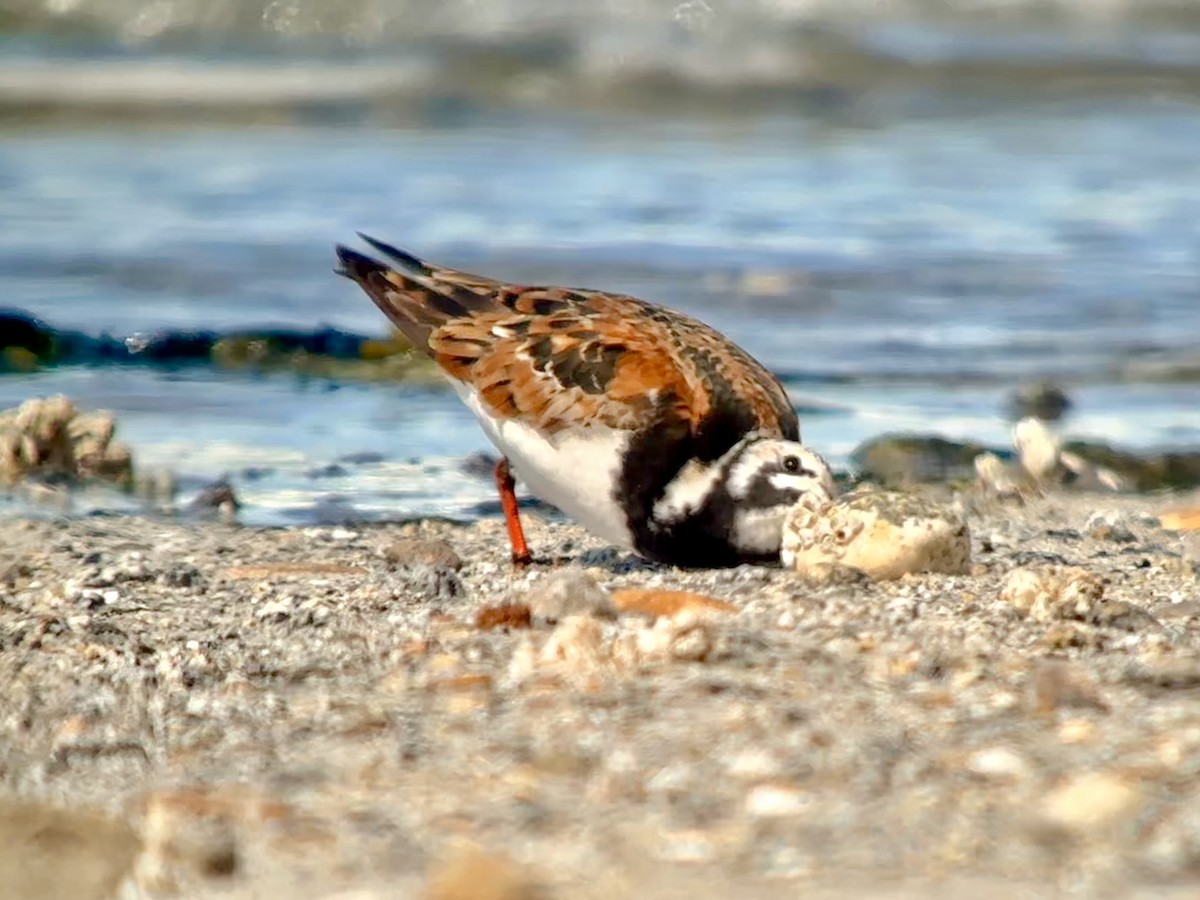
646	426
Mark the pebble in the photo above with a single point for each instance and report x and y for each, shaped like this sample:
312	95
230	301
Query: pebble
1109	525
1054	592
1091	802
1181	519
1038	448
655	603
503	615
769	801
995	476
421	551
1002	763
571	592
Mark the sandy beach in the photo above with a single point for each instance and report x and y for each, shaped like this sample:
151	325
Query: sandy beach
209	710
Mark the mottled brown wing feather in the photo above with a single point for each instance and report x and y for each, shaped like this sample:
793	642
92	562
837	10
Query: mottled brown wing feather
562	358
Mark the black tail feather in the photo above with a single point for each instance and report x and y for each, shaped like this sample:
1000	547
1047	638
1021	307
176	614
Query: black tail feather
407	260
356	266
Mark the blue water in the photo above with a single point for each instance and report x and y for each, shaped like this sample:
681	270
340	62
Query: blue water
903	258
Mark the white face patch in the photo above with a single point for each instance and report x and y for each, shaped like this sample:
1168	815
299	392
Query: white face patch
786	481
757	456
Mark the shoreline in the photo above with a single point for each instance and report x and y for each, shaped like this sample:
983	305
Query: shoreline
320	709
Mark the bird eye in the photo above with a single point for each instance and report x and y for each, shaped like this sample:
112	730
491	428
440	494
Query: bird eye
791	464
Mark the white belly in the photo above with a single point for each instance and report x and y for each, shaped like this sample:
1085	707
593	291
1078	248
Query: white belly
576	471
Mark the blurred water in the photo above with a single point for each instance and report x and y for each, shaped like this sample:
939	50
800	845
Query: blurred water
903	244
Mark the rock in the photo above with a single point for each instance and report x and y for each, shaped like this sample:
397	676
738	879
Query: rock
1091	802
1037	448
577	644
653	603
569	593
422	551
1083	475
1042	400
48	852
1179	471
216	500
1109	525
995	476
688	639
882	533
50	438
1183	519
1056	592
905	459
504	615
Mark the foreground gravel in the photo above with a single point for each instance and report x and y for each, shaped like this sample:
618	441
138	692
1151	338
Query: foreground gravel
206	710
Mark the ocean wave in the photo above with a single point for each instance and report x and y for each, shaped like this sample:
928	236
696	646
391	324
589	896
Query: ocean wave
371	58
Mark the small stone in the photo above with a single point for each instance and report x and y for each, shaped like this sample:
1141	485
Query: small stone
654	603
503	615
997	763
1054	592
1084	475
1183	519
471	873
995	476
274	611
754	765
771	801
882	533
684	638
1091	802
1037	447
576	643
691	638
1076	731
420	551
216	500
1109	525
569	593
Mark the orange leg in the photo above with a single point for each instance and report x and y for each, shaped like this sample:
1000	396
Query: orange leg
512	518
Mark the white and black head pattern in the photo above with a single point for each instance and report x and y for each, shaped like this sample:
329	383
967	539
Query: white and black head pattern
763	482
733	510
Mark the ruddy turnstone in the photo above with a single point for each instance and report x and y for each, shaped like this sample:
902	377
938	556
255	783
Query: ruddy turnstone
646	426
